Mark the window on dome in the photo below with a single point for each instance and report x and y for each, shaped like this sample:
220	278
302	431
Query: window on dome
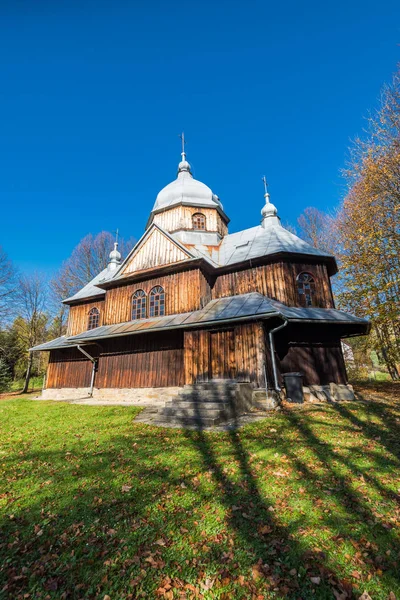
199	221
94	318
139	305
157	301
306	288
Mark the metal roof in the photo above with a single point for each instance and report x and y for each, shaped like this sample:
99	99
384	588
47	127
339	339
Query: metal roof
263	241
60	342
222	310
234	308
90	290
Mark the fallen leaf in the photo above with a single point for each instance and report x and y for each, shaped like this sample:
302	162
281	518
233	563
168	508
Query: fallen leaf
365	596
316	580
126	488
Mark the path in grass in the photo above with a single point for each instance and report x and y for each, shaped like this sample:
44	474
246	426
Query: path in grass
304	504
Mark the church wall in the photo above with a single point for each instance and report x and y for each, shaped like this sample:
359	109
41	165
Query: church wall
277	281
184	291
313	350
232	353
139	361
157	250
69	368
180	217
79	315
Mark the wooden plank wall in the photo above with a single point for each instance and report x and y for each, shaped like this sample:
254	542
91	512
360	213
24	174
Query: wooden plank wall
151	360
79	315
180	217
320	362
226	354
314	350
184	292
277	281
137	361
68	368
156	251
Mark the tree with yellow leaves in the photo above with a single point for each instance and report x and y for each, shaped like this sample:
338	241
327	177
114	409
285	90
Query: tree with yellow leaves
368	226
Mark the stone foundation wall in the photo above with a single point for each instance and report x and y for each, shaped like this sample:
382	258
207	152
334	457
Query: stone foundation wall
140	396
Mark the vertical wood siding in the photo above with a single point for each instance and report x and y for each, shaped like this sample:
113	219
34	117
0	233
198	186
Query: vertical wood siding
184	291
79	315
156	251
180	217
151	360
277	281
225	354
68	368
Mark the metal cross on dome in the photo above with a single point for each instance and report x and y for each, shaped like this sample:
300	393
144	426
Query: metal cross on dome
264	179
116	235
184	142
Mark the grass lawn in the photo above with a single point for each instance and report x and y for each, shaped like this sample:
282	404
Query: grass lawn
304	504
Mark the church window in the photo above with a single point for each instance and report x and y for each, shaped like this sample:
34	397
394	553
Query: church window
199	221
306	288
139	305
94	318
157	301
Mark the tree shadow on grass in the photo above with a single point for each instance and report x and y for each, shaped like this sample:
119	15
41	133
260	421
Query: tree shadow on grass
200	513
251	511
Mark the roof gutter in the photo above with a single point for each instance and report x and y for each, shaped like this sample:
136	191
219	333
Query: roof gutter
273	358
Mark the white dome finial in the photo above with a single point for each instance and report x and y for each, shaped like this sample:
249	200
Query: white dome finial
268	210
114	256
184	166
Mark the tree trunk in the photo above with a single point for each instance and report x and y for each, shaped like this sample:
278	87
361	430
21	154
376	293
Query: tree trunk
28	373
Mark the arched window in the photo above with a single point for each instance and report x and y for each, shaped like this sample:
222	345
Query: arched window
199	221
306	288
94	318
157	301
139	308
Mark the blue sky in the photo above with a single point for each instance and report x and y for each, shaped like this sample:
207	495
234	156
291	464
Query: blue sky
95	93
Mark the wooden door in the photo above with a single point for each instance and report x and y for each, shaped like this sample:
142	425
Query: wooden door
222	354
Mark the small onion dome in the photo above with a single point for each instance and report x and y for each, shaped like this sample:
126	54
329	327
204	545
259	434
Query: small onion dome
115	258
184	165
269	210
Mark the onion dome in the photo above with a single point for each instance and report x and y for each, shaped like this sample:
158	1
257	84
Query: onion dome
115	258
269	212
186	190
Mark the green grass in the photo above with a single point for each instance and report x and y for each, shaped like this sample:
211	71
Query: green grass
35	383
304	504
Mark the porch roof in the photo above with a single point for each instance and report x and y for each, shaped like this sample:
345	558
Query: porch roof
244	307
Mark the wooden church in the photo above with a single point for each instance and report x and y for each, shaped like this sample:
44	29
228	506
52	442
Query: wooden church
193	303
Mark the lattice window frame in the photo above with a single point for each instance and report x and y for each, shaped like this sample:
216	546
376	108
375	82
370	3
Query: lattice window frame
139	305
199	222
306	288
93	318
157	301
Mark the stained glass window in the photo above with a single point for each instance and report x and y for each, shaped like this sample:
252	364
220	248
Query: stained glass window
306	288
94	318
157	301
139	308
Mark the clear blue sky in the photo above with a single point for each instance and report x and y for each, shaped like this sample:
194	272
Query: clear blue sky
94	94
